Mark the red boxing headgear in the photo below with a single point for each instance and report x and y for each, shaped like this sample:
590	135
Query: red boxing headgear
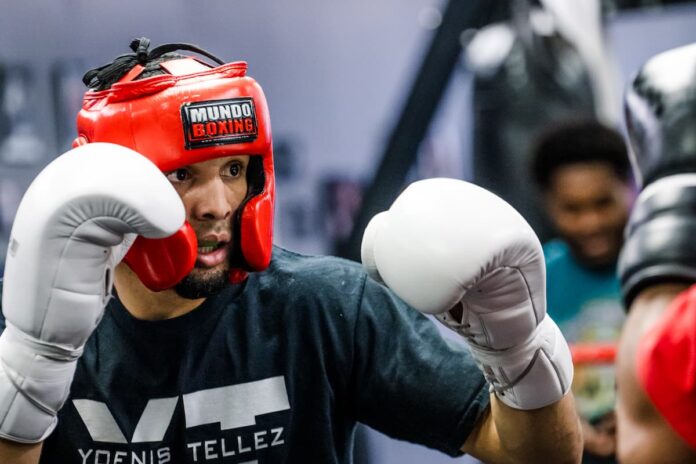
192	113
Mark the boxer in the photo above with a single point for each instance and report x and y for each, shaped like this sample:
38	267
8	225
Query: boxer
216	346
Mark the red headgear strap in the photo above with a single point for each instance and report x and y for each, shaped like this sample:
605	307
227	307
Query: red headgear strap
191	114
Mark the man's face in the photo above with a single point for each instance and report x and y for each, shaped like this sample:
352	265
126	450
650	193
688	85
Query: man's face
211	192
589	205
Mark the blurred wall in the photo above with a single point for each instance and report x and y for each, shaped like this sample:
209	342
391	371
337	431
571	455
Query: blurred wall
334	74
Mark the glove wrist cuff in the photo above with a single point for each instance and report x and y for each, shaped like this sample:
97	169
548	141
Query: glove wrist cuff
33	386
530	375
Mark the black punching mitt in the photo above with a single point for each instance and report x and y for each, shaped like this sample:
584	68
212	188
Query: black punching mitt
660	241
660	110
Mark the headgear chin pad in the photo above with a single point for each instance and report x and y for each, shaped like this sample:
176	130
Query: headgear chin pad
190	114
162	263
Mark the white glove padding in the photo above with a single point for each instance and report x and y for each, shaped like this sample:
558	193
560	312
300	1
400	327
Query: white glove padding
447	245
67	236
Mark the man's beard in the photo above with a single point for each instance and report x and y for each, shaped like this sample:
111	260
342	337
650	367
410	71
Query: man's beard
195	286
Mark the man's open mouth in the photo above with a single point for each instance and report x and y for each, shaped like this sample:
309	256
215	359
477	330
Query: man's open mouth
205	247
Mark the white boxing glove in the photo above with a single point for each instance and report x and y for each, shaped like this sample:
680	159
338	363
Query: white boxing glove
455	250
66	239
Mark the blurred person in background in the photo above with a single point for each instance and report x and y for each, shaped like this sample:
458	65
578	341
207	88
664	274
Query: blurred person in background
582	170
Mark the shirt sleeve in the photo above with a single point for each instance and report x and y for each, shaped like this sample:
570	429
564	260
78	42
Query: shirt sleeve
410	383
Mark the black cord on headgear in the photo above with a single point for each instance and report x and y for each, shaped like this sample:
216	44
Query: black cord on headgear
103	76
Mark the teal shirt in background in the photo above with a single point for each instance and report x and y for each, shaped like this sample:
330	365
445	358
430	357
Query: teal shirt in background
586	305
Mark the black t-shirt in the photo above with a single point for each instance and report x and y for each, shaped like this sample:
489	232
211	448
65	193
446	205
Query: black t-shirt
276	370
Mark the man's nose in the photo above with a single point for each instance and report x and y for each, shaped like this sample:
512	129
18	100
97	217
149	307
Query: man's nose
211	201
591	221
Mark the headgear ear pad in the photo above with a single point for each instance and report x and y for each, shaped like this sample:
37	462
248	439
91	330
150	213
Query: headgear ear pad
193	113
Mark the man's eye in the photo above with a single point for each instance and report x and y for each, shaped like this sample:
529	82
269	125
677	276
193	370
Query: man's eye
178	175
235	170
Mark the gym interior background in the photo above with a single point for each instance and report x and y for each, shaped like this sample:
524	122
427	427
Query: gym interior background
404	88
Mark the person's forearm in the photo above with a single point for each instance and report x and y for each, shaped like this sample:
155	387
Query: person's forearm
19	453
548	434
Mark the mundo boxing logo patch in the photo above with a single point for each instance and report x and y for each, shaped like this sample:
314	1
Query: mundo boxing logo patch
219	122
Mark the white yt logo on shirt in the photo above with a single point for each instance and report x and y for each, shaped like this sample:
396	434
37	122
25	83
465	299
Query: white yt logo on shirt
232	407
